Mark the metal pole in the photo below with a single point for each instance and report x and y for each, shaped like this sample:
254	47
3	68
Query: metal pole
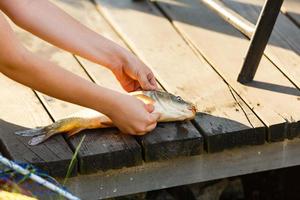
231	17
260	39
36	178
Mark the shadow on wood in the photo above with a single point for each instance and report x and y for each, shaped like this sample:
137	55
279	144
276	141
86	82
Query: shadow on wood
181	6
251	10
274	87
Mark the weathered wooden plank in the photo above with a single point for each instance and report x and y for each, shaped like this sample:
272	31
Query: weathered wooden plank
21	109
107	149
271	95
237	133
292	8
171	140
284	44
94	146
187	170
181	72
177	143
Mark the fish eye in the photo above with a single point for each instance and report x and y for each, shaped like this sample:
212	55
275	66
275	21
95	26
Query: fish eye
179	98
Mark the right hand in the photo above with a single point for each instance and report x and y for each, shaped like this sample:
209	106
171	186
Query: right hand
133	74
132	116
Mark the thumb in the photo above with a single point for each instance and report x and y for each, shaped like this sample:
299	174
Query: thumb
155	117
144	82
149	107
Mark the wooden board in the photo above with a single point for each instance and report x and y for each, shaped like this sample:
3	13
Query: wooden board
107	149
169	137
98	145
187	170
171	140
271	95
180	71
21	109
284	44
292	9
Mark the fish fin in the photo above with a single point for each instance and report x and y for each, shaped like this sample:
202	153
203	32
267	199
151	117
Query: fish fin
31	132
47	133
46	130
43	137
37	140
106	122
73	132
93	123
41	134
107	125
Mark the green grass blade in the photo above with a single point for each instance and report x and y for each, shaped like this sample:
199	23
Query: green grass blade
73	161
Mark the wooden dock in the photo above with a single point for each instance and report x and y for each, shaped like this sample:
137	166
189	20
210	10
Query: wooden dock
193	53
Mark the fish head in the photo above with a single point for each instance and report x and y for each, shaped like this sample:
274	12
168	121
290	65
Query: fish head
171	107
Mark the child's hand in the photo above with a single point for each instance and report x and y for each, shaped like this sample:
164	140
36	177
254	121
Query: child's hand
133	74
132	116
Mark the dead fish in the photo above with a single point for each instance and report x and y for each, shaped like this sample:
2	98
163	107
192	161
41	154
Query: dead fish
170	107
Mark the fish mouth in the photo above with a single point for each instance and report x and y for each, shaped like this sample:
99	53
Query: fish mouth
193	109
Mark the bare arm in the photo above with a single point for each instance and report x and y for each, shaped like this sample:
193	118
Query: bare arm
21	65
50	23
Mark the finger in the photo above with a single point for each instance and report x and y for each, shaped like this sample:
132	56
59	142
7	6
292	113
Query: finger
135	133
150	127
155	117
137	86
152	80
141	133
132	132
144	81
149	108
127	83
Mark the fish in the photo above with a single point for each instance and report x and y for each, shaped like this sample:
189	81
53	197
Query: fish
170	107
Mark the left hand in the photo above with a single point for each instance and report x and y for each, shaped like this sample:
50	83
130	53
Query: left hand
134	75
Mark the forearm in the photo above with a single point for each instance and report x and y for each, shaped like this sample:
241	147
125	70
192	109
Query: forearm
52	80
23	66
55	26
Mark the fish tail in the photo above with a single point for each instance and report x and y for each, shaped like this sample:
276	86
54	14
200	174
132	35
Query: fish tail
69	126
37	140
50	131
40	134
32	132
